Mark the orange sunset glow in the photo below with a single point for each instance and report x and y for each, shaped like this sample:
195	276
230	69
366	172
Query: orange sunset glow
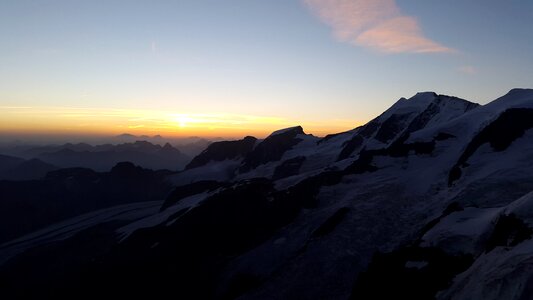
92	121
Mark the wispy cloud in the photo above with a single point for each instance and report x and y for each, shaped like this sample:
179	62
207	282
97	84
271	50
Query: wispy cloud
376	24
470	70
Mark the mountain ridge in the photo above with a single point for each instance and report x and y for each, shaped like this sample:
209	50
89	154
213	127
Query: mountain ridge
362	214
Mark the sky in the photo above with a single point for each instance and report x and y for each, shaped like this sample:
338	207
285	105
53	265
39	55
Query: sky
238	67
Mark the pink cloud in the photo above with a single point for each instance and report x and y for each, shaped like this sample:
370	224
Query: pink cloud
376	24
398	35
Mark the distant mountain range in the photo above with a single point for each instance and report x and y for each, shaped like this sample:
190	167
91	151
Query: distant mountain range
432	199
26	206
190	146
104	157
99	157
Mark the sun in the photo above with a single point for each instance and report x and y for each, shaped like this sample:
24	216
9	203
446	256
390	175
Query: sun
183	120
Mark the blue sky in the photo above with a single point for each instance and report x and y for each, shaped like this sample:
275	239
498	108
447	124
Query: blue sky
302	61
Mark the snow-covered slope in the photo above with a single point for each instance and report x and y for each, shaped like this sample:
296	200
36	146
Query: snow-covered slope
432	199
66	229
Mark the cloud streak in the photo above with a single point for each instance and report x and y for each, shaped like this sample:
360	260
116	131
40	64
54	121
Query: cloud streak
375	24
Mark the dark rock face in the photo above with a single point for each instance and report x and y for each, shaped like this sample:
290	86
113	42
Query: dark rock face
409	273
272	148
397	149
387	131
364	163
220	151
509	231
356	142
304	193
288	168
366	132
509	126
442	136
391	127
369	129
414	272
351	146
330	224
451	208
424	117
434	108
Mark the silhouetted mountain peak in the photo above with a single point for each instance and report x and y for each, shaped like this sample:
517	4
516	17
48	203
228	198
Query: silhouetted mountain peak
273	147
515	94
288	131
219	151
168	149
126	169
521	91
404	117
249	138
422	99
421	95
